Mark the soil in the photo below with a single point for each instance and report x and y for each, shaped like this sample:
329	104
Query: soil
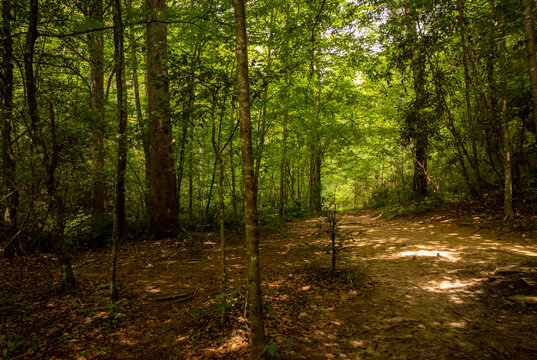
446	284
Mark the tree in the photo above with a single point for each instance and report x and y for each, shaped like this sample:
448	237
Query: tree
96	52
529	32
506	136
49	150
6	111
255	302
163	206
120	223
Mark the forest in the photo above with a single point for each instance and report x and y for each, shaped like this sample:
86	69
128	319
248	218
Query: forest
292	179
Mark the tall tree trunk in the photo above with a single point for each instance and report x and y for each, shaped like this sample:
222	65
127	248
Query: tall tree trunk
283	160
529	33
218	154
315	145
506	137
96	46
163	206
255	300
421	136
6	110
50	153
120	224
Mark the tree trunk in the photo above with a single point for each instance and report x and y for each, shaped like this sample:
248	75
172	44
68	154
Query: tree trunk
96	46
255	301
163	206
529	33
120	224
284	161
469	117
6	110
50	153
190	189
233	182
506	137
220	162
421	136
181	165
315	176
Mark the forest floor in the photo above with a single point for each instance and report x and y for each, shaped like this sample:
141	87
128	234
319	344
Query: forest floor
450	283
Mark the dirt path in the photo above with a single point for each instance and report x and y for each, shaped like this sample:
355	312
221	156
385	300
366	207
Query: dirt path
413	288
428	294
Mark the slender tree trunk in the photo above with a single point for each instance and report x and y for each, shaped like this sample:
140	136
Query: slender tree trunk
163	206
315	176
210	195
529	32
506	137
284	161
255	300
120	224
187	110
6	110
469	116
220	162
233	181
190	190
181	165
50	153
68	282
96	46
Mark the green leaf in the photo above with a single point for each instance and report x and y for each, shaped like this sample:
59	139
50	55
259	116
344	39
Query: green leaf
271	348
288	341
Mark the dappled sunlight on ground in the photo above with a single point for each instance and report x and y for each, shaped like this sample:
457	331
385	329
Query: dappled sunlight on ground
431	253
404	289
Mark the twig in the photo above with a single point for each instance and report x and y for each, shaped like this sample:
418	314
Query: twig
181	297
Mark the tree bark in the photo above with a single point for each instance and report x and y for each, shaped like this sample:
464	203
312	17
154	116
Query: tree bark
283	161
529	33
421	139
163	206
50	153
96	48
255	302
6	110
506	137
120	224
